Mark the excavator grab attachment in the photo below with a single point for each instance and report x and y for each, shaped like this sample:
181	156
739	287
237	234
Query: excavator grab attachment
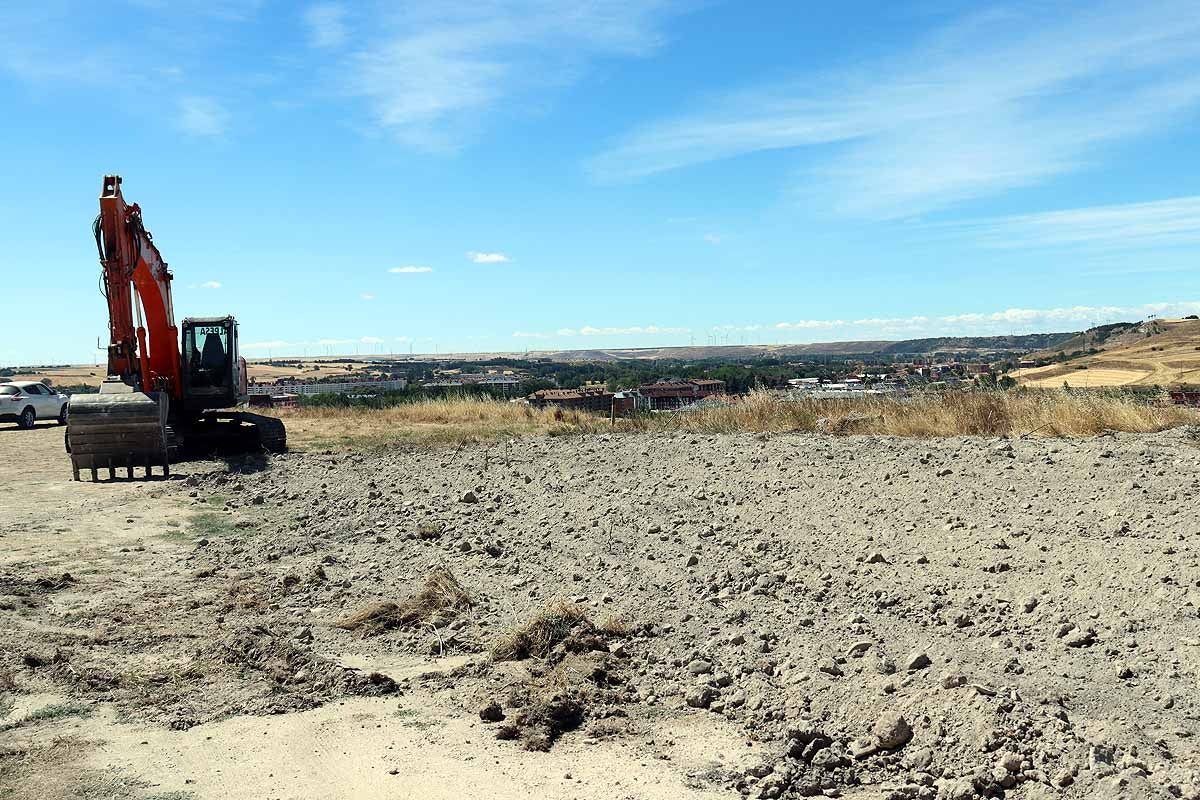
120	430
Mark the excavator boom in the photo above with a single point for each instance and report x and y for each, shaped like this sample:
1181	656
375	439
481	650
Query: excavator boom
137	284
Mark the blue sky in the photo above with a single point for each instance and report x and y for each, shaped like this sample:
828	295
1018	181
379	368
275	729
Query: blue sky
482	175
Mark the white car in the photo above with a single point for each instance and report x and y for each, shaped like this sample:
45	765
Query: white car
25	402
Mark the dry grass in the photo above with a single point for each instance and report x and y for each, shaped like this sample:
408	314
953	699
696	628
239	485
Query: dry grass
616	627
441	599
449	422
460	421
1045	413
537	637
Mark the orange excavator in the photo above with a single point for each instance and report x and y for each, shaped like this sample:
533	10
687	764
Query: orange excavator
158	400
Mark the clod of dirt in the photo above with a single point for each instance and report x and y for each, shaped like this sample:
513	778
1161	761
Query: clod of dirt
492	712
548	718
440	600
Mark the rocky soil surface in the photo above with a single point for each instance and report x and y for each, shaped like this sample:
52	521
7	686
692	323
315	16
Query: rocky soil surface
893	618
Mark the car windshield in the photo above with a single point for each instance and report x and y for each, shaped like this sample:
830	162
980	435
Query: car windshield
9	390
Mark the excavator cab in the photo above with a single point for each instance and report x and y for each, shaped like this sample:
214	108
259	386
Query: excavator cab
211	369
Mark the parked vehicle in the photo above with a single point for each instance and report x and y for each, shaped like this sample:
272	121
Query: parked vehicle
25	402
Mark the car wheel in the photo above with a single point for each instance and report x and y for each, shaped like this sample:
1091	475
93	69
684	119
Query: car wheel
62	415
28	417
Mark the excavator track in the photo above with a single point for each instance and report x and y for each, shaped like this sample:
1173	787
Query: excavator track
116	431
217	432
272	436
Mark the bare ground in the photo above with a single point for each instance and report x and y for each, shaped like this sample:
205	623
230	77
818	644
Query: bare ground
766	615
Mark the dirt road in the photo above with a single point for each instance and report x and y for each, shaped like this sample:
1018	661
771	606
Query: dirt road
640	616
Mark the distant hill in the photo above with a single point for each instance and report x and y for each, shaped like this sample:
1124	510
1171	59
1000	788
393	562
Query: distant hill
982	345
1101	337
1162	352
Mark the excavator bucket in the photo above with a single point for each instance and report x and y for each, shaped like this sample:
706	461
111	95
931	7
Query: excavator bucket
115	431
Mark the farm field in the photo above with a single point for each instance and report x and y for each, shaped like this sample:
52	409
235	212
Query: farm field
1168	356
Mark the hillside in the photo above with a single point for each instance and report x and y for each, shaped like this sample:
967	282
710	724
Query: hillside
1159	352
919	347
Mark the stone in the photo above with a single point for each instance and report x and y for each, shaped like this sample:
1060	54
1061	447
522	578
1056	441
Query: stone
858	649
700	667
830	667
1010	762
917	660
700	696
469	497
892	730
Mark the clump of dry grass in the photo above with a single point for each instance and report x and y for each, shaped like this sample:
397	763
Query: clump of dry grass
454	422
441	598
616	627
541	634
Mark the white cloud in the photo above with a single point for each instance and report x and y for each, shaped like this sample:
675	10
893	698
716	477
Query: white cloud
210	285
488	258
371	340
1161	223
202	116
1018	320
437	70
367	296
529	335
712	238
326	25
409	270
566	332
997	100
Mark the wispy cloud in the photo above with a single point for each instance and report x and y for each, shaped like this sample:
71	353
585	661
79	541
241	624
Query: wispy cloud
371	340
997	100
436	70
1161	223
202	116
712	238
488	258
326	25
367	296
1009	320
208	285
409	270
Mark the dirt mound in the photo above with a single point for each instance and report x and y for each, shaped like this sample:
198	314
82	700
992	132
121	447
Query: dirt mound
576	676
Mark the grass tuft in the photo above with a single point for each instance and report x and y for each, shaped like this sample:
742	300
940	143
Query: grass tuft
441	599
537	637
50	713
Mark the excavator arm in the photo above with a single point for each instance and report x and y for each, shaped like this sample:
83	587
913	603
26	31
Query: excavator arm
136	282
